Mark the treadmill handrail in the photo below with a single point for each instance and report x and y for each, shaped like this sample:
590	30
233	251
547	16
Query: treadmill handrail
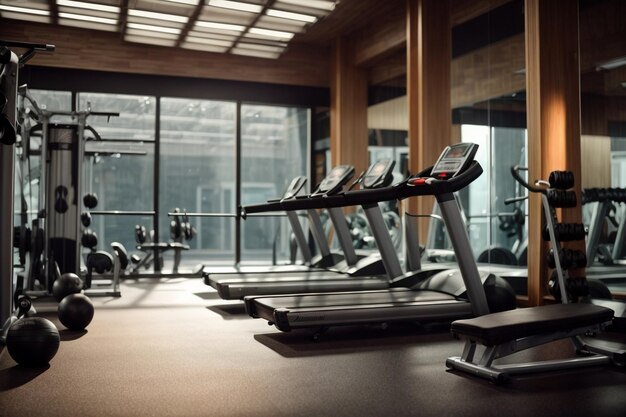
398	191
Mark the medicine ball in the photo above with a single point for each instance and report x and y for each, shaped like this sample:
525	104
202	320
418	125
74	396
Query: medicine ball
33	341
500	295
76	311
66	284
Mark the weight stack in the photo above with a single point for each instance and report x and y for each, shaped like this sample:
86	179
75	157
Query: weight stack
62	200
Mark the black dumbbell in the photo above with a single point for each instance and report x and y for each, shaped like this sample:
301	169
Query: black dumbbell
561	198
561	180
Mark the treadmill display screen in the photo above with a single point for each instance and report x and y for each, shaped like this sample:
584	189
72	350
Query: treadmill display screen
337	176
454	159
378	173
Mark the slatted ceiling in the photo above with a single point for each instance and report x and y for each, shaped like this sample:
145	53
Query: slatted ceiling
194	24
269	22
218	14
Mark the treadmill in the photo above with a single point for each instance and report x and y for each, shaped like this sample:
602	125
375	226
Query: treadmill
324	259
415	296
357	271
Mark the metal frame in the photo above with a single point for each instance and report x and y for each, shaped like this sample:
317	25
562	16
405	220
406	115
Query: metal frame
8	78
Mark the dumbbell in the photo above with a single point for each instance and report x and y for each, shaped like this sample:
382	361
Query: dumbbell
568	258
561	180
566	232
561	198
89	239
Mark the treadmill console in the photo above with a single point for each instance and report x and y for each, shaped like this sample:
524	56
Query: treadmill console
335	180
379	174
294	187
453	160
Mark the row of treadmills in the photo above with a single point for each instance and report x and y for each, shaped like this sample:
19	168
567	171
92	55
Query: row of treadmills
365	288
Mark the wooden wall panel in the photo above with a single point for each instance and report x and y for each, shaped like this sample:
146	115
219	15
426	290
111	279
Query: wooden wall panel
105	51
429	46
377	42
463	10
489	72
348	108
553	108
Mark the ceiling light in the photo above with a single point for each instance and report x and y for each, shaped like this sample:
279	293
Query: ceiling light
223	26
257	54
151	41
158	16
259	47
315	4
208	41
190	2
153	28
272	33
236	5
203	47
87	18
611	64
24	10
89	6
292	16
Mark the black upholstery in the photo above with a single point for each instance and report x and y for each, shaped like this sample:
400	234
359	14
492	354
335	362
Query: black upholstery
99	261
498	328
121	253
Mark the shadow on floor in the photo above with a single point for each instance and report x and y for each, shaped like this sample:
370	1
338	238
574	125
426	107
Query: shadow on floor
231	311
16	376
349	339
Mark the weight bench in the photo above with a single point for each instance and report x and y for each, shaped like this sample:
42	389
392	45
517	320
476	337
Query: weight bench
502	334
154	250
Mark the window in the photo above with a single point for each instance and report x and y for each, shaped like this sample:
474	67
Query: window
274	149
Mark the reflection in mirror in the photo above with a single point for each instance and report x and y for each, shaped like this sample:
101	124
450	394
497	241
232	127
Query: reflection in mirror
603	141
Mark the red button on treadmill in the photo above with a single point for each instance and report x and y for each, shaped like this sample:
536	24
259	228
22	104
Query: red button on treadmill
418	181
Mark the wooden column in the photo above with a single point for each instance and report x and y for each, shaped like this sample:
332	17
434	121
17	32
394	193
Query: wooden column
553	106
429	46
348	108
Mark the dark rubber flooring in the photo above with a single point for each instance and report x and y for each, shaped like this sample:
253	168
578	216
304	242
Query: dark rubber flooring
173	348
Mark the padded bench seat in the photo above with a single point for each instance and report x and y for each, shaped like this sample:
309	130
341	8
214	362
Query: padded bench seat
498	328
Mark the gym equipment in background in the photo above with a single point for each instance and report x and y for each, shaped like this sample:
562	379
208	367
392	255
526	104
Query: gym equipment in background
357	271
422	295
31	341
60	221
181	231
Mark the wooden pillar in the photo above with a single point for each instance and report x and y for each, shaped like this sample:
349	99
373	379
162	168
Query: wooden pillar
348	109
429	54
553	108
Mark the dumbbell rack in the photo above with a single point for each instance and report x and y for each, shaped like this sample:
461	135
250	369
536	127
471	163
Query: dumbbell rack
559	195
556	193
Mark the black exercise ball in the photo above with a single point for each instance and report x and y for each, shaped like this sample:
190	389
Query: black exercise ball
500	294
66	284
33	341
598	289
76	311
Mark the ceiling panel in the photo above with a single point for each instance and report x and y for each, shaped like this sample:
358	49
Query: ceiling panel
259	28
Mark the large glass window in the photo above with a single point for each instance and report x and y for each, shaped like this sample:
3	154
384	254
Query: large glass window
274	149
197	173
120	168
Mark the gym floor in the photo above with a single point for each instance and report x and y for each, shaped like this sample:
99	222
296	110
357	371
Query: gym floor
171	347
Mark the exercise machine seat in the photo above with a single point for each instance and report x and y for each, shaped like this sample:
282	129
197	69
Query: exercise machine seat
498	328
177	245
121	253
